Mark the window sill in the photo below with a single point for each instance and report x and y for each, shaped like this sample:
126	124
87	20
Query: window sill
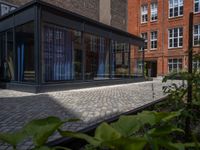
175	18
144	23
196	46
154	21
196	13
142	50
175	48
154	49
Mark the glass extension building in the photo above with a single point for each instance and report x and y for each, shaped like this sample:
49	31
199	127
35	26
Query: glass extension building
42	45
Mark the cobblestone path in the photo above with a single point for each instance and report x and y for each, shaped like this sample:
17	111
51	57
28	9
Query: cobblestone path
91	105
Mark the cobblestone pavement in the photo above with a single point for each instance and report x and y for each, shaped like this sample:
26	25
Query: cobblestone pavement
91	105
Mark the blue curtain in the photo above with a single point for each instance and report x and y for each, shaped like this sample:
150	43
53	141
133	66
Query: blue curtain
20	62
101	66
57	54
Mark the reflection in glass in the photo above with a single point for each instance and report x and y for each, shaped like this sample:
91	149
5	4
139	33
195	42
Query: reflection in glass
2	56
24	36
62	54
120	60
10	55
97	57
77	55
136	61
57	54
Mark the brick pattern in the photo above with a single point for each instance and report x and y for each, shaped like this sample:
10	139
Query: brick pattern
119	14
90	8
162	53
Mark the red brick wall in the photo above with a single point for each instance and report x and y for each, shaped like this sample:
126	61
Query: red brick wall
162	53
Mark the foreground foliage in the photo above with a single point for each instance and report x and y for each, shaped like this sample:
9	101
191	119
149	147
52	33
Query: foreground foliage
163	129
146	130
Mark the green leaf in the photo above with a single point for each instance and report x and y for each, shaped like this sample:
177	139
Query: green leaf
43	148
164	130
147	117
192	145
167	116
174	146
60	148
40	130
83	136
106	133
126	125
129	143
13	138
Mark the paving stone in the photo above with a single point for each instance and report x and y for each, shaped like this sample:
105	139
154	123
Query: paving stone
91	105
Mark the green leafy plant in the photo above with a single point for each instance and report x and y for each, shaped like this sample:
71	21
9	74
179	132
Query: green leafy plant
146	130
178	96
39	130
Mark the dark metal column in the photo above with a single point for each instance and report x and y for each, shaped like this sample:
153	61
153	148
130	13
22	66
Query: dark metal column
143	57
37	32
190	55
129	60
83	52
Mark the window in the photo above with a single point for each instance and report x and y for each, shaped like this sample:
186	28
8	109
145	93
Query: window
196	65
175	38
144	13
196	6
144	36
174	65
2	56
139	67
154	40
24	53
175	8
196	35
154	11
62	54
120	59
96	57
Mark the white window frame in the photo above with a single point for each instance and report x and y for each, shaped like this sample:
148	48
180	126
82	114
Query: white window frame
154	12
196	65
144	12
196	34
179	37
172	6
179	61
197	2
145	41
154	38
139	66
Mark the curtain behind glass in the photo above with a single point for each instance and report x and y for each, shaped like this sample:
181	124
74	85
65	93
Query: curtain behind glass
57	54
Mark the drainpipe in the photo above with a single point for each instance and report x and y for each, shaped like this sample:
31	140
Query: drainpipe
163	35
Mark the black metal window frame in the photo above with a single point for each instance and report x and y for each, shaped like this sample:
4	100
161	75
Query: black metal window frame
34	11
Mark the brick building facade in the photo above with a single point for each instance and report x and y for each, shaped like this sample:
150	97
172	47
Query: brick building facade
111	12
164	24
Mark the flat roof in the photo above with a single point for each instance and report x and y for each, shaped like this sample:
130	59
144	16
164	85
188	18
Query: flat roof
75	16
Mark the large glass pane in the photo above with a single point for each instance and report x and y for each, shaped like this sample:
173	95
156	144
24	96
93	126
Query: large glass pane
96	57
2	56
62	54
10	55
24	36
136	62
78	55
120	60
57	54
